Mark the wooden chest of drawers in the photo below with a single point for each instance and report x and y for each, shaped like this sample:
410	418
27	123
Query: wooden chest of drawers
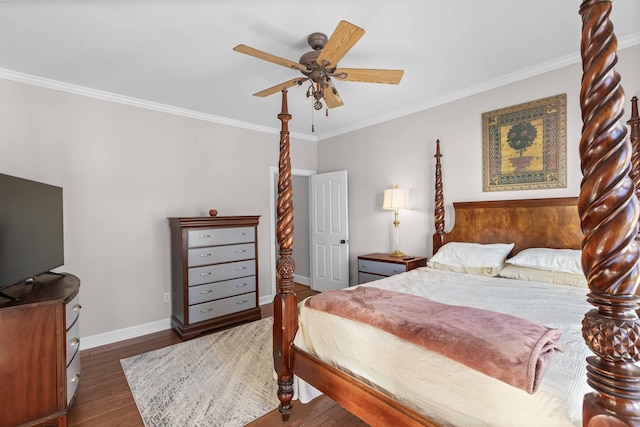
214	269
378	266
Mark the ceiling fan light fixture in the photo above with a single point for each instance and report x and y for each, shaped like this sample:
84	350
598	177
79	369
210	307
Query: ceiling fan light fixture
316	91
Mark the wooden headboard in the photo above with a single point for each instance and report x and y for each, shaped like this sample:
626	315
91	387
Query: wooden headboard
529	223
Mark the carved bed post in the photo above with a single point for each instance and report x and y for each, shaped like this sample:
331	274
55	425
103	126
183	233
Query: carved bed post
608	210
285	303
438	214
634	122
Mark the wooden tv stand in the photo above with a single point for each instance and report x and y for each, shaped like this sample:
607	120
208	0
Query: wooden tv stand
39	342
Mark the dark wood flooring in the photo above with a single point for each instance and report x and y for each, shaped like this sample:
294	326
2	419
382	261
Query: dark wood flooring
104	398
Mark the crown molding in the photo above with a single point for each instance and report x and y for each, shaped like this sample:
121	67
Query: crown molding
136	102
623	42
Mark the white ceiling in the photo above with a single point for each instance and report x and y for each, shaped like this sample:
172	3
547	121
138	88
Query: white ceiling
176	55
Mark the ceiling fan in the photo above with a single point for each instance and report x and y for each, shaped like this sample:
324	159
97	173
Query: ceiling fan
319	66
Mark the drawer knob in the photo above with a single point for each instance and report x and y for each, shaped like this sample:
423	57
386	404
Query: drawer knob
205	310
242	302
76	377
206	254
396	270
75	341
240	285
208	273
241	268
239	251
241	234
207	291
205	236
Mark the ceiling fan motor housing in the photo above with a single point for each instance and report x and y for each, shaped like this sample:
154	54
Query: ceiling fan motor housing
317	41
309	59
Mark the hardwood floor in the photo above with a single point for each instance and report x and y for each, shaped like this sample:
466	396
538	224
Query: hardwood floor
104	398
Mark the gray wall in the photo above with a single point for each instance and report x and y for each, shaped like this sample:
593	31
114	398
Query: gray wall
124	170
300	187
401	152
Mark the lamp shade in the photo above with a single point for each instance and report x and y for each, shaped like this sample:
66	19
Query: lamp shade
396	198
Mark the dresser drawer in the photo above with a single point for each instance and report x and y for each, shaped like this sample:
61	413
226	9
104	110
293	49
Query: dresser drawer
218	272
227	288
217	254
368	277
72	310
73	340
74	372
380	267
219	236
221	307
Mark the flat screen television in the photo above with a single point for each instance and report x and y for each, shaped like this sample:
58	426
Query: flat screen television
31	229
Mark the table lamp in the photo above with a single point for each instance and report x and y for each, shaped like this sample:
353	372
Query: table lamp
396	199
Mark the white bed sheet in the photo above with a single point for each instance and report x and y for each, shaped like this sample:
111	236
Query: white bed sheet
445	390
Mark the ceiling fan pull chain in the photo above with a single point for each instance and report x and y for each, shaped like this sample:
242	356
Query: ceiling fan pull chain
313	126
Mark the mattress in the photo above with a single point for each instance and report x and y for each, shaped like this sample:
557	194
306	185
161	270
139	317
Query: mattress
442	389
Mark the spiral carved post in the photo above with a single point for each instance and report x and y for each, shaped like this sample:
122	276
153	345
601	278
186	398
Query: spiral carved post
438	214
634	123
608	210
285	303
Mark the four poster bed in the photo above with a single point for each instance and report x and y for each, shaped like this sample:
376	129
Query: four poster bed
543	319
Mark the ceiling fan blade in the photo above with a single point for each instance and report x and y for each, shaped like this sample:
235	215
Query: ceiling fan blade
368	75
278	88
269	57
342	39
331	97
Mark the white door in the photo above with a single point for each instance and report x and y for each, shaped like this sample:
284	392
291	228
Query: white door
329	231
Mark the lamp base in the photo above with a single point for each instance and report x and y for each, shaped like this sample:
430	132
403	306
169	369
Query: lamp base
397	254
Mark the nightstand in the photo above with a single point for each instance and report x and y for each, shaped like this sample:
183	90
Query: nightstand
378	266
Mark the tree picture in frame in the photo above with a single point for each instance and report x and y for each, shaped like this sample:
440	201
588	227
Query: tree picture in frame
524	147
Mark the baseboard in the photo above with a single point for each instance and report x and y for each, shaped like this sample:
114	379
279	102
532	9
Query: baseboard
303	280
267	299
138	330
124	334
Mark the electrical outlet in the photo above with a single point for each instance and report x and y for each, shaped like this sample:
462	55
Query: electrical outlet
167	297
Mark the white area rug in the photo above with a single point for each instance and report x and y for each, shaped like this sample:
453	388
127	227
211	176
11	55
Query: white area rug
223	379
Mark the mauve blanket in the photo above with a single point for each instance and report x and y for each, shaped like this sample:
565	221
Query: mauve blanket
509	348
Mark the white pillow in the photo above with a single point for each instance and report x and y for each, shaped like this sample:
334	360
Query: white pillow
475	258
564	260
535	275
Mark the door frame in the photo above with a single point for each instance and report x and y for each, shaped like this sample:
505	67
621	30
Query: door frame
273	198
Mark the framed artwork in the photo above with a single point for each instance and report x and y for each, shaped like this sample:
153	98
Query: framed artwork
524	147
